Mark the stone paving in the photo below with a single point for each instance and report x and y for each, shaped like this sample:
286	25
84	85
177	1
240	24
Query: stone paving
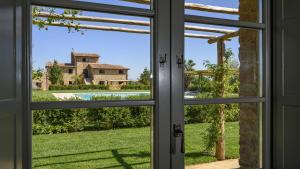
226	164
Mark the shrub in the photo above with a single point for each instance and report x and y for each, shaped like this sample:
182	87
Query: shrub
72	120
59	121
135	87
78	87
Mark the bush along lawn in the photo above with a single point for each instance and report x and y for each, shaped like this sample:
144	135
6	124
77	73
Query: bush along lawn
120	148
74	120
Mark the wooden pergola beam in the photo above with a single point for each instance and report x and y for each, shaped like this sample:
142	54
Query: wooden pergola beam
224	37
91	19
116	29
201	36
94	27
210	8
207	29
123	21
198	7
207	72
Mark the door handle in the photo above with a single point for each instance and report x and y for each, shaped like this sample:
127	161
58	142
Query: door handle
177	134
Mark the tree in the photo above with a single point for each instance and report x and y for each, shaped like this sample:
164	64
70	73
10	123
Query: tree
188	66
55	73
78	79
145	77
37	74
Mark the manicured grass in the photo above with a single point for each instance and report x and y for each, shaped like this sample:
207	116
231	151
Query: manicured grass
120	148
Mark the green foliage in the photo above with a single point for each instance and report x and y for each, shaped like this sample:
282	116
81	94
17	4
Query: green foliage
145	77
135	87
55	74
78	87
43	22
59	121
37	74
71	120
224	82
188	66
78	79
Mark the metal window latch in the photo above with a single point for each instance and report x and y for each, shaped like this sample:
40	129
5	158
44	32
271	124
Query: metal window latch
179	60
163	59
177	133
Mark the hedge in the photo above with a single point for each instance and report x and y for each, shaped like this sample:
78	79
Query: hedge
72	120
135	87
78	87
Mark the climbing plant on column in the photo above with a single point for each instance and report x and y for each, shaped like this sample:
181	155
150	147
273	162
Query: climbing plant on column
224	83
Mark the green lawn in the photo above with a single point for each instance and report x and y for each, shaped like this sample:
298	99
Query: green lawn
121	148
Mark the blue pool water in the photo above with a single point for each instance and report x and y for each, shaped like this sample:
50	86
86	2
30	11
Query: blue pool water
88	96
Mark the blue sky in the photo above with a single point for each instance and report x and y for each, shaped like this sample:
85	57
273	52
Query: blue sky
127	49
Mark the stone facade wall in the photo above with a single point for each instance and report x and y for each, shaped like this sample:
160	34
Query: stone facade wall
108	75
67	77
249	82
90	60
80	66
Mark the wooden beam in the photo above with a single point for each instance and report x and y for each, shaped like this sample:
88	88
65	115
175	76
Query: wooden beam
209	8
207	72
117	29
199	72
91	19
224	37
123	21
198	7
201	36
95	27
207	29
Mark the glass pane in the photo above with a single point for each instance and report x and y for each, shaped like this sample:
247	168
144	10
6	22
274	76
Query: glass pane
130	3
87	55
92	138
223	136
243	10
222	62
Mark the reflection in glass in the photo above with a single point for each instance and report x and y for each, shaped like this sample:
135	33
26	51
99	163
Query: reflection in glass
118	137
89	55
224	62
230	134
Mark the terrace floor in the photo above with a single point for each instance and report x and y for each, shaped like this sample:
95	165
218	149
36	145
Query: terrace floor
226	164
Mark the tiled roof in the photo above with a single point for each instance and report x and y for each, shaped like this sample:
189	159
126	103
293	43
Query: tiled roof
92	55
49	64
107	66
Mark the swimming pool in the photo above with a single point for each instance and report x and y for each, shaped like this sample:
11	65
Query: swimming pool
89	96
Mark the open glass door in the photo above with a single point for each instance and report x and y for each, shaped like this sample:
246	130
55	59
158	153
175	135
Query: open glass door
220	56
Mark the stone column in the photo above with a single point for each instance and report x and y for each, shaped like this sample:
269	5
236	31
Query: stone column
249	82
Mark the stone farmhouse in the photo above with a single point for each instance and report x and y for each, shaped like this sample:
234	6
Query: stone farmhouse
88	66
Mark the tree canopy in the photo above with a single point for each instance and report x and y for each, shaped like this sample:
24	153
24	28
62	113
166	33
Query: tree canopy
55	74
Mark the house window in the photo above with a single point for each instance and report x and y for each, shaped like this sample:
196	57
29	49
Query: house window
70	82
101	71
121	72
70	71
101	82
38	85
85	60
